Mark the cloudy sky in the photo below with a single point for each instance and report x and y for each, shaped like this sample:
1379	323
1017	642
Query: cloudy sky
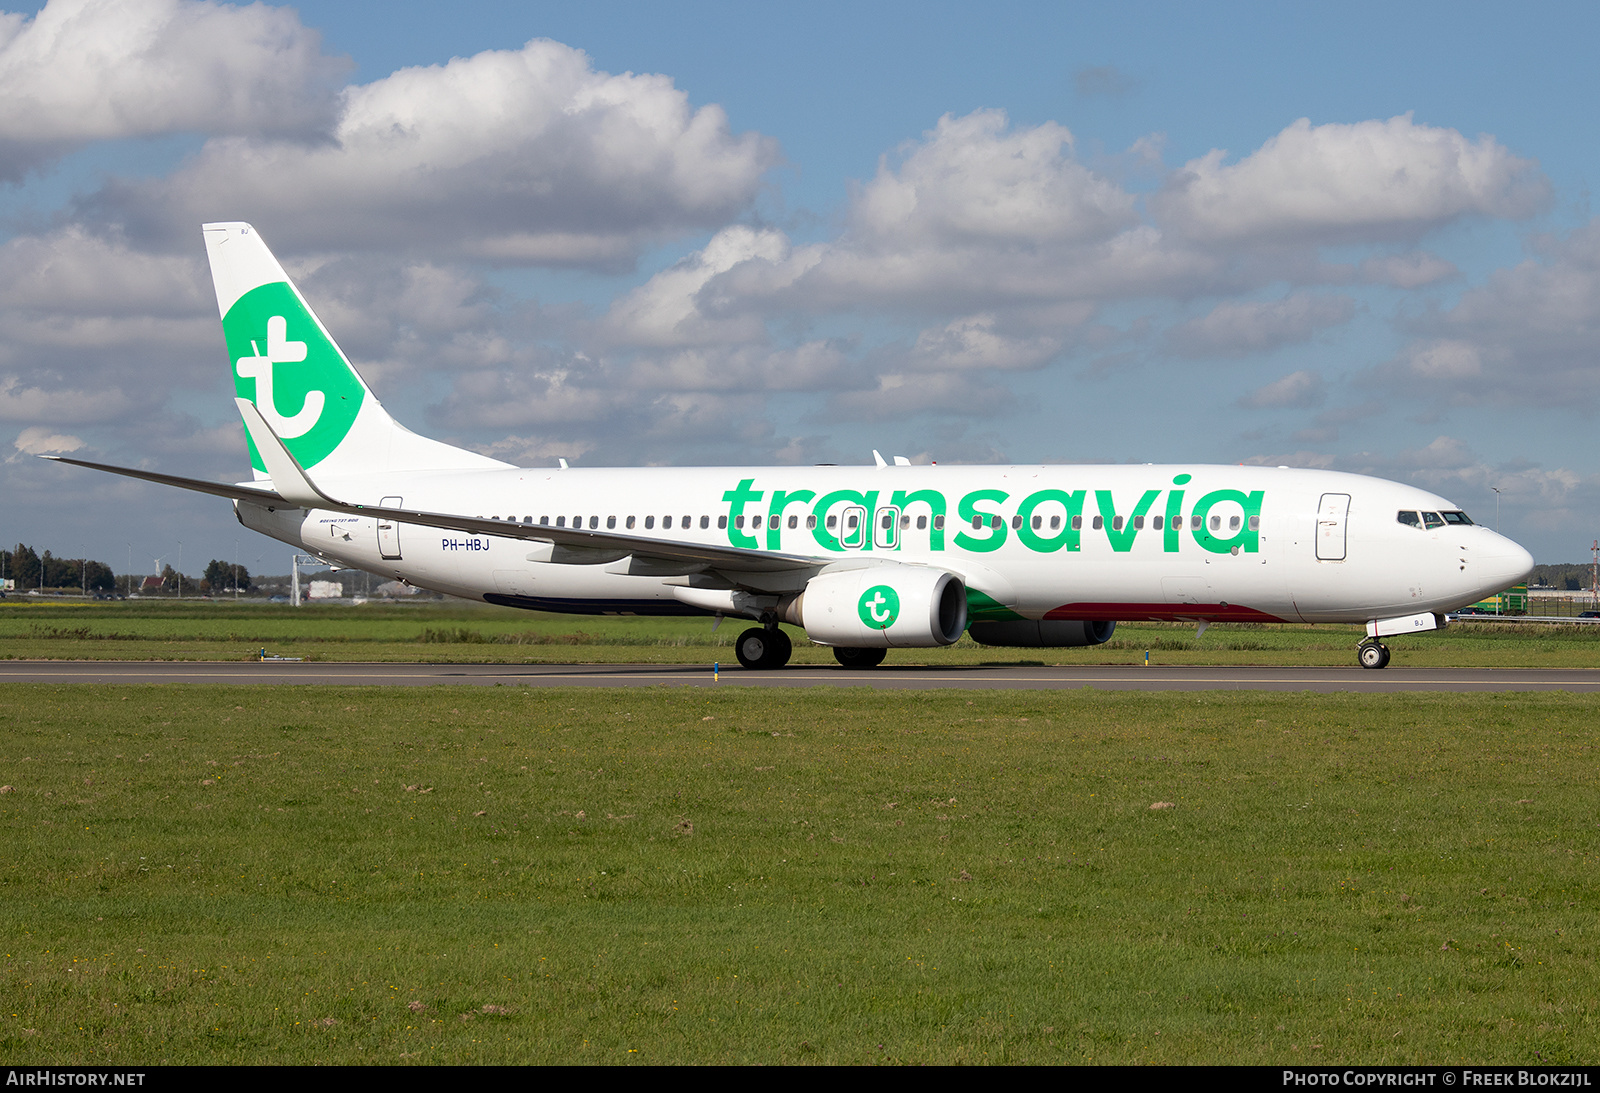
1347	235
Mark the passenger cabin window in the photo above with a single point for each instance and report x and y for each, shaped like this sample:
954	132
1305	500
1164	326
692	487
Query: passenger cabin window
1155	522
561	521
811	522
527	519
1099	522
705	522
794	522
629	522
649	522
1116	523
666	523
1233	523
544	521
938	522
995	521
686	523
1255	523
611	522
772	522
1432	520
1077	523
594	522
722	523
922	523
833	522
1055	522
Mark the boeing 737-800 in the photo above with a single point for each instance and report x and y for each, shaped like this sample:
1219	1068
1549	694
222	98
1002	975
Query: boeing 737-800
864	559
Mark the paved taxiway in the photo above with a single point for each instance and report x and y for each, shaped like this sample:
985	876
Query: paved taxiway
1018	677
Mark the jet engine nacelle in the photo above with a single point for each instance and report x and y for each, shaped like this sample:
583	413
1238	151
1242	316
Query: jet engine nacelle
887	606
1029	634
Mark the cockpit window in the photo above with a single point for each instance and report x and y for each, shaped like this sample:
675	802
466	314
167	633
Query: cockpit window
1456	518
1432	520
1409	519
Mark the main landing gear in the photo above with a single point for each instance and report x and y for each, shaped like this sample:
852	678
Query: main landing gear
1373	654
760	647
859	658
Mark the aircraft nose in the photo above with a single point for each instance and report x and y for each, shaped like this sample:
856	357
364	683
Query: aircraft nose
1505	564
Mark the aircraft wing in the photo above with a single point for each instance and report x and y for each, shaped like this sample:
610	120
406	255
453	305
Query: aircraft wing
294	488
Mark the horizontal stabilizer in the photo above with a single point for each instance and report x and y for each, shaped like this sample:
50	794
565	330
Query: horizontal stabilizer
198	485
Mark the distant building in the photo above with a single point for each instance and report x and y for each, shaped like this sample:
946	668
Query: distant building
325	590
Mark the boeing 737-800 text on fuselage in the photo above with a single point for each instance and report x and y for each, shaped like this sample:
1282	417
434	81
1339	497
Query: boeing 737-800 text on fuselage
864	559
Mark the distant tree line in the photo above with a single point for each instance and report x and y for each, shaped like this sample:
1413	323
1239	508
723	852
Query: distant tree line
225	577
220	577
1572	577
31	569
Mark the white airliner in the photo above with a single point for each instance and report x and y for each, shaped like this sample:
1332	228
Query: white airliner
864	559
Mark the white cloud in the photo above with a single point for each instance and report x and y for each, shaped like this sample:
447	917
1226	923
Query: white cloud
1411	270
1445	359
36	440
1235	329
533	451
903	395
1528	335
667	311
1530	496
526	157
24	401
83	70
70	272
1373	180
811	366
975	342
1297	390
972	179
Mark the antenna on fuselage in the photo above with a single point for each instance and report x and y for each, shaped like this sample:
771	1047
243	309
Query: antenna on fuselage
561	461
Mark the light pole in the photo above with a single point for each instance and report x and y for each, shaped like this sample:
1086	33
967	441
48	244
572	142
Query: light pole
1496	490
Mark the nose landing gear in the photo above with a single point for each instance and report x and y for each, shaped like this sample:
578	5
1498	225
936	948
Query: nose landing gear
1373	654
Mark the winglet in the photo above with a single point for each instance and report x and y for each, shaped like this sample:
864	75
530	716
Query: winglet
288	478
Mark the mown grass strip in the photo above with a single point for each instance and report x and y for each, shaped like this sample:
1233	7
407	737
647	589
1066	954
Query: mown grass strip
496	875
459	632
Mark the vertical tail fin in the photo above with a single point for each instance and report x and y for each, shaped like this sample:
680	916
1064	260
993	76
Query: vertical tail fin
288	365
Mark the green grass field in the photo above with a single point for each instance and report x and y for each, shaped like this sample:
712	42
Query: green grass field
485	875
459	632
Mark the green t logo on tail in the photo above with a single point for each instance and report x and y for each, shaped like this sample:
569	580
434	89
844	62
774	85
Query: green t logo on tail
879	607
297	378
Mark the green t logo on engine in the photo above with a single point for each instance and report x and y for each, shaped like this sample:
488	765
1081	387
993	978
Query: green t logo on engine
879	607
